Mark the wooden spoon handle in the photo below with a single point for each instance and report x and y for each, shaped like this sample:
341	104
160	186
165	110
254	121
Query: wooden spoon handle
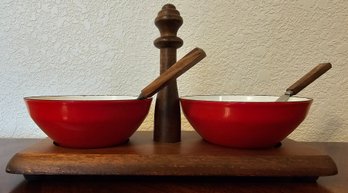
177	69
307	79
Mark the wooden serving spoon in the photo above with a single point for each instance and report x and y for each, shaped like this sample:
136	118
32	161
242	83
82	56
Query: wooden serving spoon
177	69
307	79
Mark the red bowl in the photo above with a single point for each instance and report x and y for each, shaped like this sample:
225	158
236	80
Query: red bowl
88	121
244	121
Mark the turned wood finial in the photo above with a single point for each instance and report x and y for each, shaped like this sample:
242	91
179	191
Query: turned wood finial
168	21
167	126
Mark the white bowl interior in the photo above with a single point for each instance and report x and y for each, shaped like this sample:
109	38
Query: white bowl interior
82	98
237	98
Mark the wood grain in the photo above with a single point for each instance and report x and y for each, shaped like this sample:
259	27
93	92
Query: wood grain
192	157
176	70
308	78
10	183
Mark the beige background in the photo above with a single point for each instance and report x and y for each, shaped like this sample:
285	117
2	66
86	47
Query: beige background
106	47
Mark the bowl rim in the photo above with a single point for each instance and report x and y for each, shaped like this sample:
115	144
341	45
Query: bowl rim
84	98
193	98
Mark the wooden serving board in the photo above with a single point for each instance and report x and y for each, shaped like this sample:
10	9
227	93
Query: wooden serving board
191	157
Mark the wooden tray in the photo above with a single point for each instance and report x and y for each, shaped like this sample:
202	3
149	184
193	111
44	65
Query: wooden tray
191	157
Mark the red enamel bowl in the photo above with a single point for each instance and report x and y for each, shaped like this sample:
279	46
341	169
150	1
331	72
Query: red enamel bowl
88	121
244	121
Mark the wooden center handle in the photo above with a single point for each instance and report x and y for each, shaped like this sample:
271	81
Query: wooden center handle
167	122
307	79
177	69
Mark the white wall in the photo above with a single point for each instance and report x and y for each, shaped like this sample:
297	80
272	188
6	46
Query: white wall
106	47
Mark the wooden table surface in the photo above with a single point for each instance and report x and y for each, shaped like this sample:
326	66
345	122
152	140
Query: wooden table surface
16	183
